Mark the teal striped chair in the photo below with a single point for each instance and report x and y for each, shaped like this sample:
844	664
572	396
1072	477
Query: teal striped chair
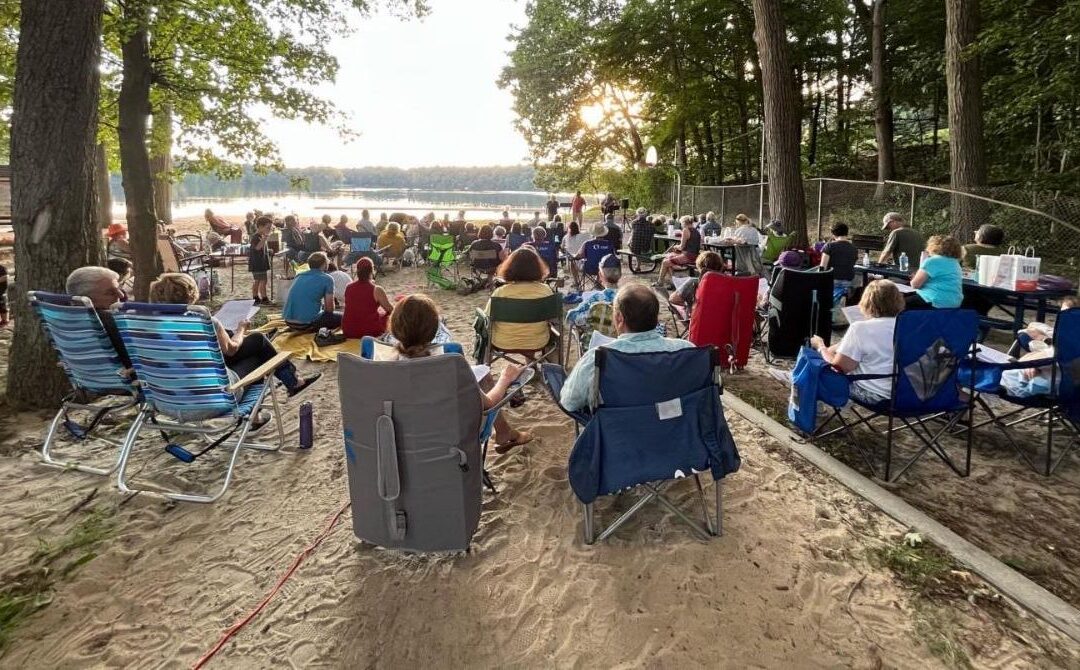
94	369
187	392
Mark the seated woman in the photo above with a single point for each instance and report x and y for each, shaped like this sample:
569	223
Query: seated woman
709	261
938	283
682	255
414	324
516	237
243	352
840	255
867	346
523	273
367	308
989	241
119	246
391	242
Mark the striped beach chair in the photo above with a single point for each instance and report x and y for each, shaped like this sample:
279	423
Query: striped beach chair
187	390
95	371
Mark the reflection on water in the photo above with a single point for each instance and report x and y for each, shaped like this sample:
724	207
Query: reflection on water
477	204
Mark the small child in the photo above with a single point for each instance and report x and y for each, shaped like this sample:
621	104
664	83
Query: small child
3	296
259	260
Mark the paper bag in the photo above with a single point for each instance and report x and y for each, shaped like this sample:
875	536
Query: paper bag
1018	272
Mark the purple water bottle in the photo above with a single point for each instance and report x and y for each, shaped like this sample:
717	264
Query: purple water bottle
307	428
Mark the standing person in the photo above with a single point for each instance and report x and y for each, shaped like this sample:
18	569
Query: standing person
219	226
367	308
609	205
840	255
552	208
364	225
310	305
682	255
506	221
259	259
902	240
577	209
249	223
939	282
243	352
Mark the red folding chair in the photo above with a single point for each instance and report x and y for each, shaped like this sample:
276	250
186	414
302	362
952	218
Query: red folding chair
723	316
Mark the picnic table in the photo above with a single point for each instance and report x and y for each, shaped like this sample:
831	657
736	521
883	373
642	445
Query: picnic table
1002	298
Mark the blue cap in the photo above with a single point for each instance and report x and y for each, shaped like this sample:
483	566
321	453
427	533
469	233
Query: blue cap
610	261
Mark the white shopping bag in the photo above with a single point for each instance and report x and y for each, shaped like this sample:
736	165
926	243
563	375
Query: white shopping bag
281	289
1018	272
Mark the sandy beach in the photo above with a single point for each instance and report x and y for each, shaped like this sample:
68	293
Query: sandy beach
792	583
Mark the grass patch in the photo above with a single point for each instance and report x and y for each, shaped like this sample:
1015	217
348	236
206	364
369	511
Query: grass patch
919	565
31	588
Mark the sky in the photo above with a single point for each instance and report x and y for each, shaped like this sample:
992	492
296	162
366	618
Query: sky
420	92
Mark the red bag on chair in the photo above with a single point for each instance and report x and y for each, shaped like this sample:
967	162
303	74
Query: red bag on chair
723	316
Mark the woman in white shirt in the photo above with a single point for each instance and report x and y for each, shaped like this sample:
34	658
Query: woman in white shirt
867	347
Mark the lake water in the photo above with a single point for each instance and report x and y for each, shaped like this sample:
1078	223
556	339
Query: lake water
477	204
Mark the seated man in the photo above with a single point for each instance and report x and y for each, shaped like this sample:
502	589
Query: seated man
102	287
310	305
221	227
637	312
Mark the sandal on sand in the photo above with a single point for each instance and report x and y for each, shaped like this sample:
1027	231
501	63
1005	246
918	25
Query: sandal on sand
520	437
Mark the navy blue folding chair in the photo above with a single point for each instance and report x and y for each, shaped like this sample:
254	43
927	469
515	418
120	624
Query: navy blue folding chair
1060	406
931	362
549	251
94	369
595	250
654	418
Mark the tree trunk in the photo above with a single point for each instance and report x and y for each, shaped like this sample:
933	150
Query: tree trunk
967	161
161	163
53	198
883	112
135	170
787	201
101	180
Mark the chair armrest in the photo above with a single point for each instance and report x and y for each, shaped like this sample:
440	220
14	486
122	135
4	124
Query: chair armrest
261	372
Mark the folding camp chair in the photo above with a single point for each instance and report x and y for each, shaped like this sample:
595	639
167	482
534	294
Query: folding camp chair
933	351
680	319
601	318
1061	405
187	391
653	418
172	262
776	245
372	349
94	369
549	251
723	317
595	250
800	306
442	258
520	310
483	262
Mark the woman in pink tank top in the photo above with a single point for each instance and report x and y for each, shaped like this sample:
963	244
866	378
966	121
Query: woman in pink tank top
367	308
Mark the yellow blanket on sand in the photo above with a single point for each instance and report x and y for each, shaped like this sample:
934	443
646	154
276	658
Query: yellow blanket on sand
302	345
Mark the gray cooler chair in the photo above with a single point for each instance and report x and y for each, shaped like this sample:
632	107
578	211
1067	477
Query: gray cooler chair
413	434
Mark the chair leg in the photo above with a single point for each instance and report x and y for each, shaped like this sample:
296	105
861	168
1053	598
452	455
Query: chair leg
268	385
590	535
50	439
719	486
704	505
125	451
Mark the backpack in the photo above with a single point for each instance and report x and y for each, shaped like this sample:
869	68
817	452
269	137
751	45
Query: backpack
812	380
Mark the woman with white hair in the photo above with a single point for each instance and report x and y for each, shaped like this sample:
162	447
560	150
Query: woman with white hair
711	227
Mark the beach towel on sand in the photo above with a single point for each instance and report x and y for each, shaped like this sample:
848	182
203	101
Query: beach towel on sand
302	345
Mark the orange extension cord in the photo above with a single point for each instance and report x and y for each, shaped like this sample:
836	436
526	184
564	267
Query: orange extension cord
236	627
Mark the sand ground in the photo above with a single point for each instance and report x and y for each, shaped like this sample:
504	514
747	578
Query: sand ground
788	585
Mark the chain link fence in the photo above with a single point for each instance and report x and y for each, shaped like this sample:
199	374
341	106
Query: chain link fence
1047	221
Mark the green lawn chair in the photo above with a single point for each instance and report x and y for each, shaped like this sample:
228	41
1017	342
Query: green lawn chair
442	260
776	245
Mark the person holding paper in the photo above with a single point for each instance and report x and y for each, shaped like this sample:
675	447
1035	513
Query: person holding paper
414	324
708	261
867	347
939	282
243	352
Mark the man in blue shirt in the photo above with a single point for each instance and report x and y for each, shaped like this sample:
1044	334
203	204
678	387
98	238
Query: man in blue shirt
637	311
310	305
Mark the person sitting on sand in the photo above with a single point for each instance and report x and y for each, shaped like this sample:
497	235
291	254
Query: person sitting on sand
367	308
221	227
523	273
414	323
867	346
637	313
310	305
102	287
243	352
118	246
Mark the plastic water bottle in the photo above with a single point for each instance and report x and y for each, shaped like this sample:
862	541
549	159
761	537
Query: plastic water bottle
903	262
307	427
865	258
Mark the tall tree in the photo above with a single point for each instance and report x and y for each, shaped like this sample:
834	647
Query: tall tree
873	21
967	162
52	158
782	121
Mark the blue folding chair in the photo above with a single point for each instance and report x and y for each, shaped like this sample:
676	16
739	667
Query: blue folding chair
549	251
187	390
933	350
1061	405
372	349
595	250
653	418
94	369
